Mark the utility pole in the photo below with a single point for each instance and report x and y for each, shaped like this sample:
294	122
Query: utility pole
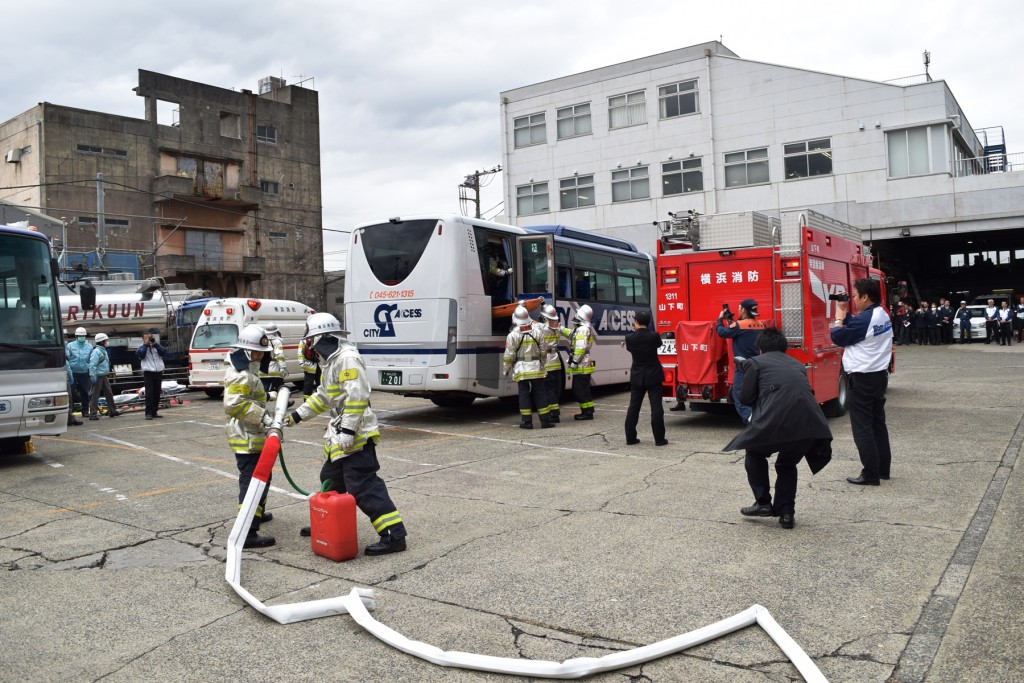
101	236
472	184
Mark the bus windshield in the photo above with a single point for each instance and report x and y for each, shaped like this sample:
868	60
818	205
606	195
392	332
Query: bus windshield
393	249
215	336
29	312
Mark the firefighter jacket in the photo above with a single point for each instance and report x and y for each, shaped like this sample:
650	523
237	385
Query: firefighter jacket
244	401
344	391
581	338
277	363
552	361
307	364
525	354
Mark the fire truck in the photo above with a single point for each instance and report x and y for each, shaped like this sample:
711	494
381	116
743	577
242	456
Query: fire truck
795	266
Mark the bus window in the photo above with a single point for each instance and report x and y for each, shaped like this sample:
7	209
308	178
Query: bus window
633	281
393	249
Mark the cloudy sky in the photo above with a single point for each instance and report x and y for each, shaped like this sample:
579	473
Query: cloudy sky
409	90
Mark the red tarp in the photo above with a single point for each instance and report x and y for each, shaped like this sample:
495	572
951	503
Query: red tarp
700	353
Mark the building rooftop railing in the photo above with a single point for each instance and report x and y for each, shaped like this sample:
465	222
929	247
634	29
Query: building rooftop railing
916	79
991	163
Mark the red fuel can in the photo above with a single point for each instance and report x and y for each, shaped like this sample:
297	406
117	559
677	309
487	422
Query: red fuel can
332	525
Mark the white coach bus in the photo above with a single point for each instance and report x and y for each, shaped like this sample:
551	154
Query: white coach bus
429	299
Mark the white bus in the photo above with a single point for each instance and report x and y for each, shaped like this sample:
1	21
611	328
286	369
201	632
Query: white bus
429	299
33	377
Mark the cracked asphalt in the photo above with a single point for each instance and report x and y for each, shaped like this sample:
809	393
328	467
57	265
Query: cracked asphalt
548	544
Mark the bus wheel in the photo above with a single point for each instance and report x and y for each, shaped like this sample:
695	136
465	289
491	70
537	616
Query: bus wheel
214	393
837	406
452	401
15	445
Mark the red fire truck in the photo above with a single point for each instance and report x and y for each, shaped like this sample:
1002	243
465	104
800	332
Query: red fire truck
793	266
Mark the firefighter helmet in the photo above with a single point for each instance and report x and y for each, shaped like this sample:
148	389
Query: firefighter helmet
323	323
549	313
521	316
584	314
252	338
271	328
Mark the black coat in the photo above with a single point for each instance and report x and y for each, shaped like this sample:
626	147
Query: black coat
785	409
646	369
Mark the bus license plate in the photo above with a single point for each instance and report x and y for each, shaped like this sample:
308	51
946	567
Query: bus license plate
668	347
391	378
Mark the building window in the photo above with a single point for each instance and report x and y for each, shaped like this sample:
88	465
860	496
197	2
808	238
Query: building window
230	125
532	198
678	177
632	183
278	236
916	151
627	110
807	159
749	167
576	192
530	130
678	99
266	134
574	121
270	187
108	151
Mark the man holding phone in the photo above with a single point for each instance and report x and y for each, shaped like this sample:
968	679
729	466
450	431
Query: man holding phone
743	333
151	357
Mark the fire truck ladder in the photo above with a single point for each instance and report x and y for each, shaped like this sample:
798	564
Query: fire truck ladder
786	240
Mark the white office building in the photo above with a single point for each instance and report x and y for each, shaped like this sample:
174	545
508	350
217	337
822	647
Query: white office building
617	148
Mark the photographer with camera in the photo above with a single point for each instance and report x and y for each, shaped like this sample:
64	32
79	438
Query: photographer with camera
867	341
151	356
743	333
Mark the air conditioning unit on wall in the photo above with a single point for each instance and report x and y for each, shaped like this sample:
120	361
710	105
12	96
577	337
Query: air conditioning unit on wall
13	156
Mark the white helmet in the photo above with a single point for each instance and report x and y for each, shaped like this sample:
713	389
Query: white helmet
584	314
271	328
549	313
323	323
252	338
521	316
101	338
80	332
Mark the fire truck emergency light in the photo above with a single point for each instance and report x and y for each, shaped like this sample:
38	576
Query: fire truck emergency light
669	276
791	267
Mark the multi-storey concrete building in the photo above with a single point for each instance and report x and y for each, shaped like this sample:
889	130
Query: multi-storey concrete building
617	148
224	195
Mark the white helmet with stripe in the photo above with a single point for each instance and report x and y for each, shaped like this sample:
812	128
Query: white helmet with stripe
252	338
323	323
549	313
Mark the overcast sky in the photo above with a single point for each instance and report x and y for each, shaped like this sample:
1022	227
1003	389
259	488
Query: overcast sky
409	90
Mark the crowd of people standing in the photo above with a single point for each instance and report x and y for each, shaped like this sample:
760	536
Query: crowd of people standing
937	324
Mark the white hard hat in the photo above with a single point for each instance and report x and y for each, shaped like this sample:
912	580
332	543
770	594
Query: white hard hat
521	316
585	313
323	323
80	332
101	338
252	338
271	328
549	313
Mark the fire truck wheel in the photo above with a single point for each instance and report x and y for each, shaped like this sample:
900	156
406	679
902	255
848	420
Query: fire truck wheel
837	406
214	393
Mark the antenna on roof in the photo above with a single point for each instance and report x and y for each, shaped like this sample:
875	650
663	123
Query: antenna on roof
927	61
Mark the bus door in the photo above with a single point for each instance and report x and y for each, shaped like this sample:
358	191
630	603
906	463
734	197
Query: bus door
535	267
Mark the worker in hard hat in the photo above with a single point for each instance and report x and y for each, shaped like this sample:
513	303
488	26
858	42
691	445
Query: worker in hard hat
310	368
273	379
350	444
248	419
580	367
554	380
99	369
78	352
525	354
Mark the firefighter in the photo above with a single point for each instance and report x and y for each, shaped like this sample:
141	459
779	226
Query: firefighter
555	380
580	368
248	419
310	368
743	333
350	443
525	355
274	377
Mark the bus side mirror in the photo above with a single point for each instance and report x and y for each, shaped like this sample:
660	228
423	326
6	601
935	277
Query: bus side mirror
87	293
54	269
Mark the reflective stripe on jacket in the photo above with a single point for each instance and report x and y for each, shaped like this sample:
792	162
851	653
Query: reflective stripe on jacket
581	338
525	352
244	401
552	361
344	391
277	361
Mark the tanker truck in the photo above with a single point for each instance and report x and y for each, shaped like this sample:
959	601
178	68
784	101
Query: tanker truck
126	310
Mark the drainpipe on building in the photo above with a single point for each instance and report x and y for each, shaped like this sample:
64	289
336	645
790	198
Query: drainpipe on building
711	133
507	208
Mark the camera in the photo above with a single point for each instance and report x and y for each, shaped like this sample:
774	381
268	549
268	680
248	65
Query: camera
842	296
726	313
